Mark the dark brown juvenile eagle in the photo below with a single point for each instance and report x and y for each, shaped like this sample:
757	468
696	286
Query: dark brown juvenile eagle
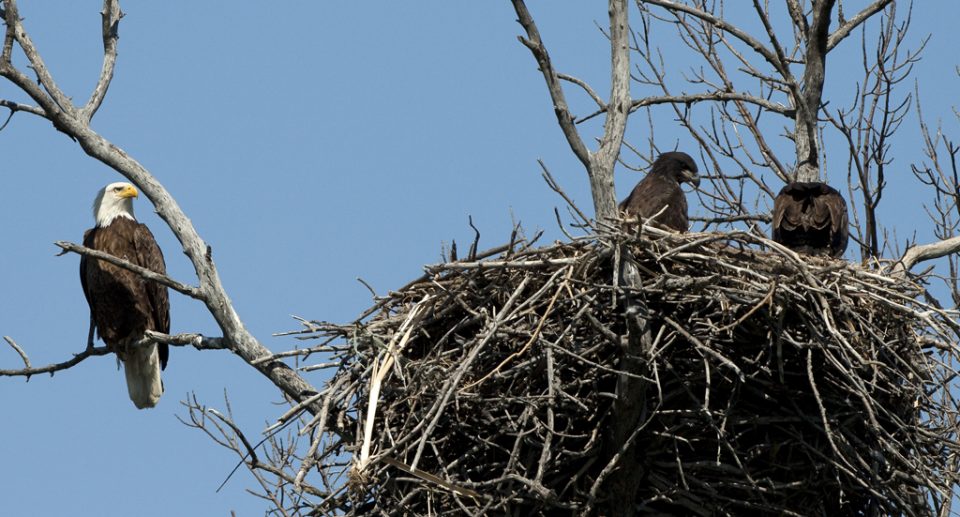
122	304
660	190
811	218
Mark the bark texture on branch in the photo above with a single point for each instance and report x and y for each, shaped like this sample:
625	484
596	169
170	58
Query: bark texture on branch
806	133
75	123
599	164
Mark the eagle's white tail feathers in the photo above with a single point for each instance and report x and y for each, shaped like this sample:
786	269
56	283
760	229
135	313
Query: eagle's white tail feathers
142	369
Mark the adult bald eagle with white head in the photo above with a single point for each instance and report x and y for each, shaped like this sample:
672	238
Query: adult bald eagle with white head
123	305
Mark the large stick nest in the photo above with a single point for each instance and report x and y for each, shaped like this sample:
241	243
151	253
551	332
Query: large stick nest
699	374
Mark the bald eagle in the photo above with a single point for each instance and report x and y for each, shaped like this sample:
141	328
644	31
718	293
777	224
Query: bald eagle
122	304
811	218
661	188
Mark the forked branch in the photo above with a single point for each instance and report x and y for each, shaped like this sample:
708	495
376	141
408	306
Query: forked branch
111	33
847	27
600	164
533	42
58	108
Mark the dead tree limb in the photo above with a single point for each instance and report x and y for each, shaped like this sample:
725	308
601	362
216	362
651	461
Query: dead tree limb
599	164
197	341
57	107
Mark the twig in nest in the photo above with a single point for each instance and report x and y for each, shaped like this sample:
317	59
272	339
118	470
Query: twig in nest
533	338
380	370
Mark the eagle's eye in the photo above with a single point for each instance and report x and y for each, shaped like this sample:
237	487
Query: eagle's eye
117	189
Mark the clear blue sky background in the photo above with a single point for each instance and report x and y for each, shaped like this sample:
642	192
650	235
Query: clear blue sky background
311	143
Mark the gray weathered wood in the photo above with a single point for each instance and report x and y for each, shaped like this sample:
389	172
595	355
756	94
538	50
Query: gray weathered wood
75	122
600	164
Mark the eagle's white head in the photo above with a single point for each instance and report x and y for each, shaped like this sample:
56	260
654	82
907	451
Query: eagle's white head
113	201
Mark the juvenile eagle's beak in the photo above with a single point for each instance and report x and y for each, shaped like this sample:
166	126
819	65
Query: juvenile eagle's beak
691	177
128	191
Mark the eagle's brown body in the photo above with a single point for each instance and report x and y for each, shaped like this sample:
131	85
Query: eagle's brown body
123	305
659	192
811	218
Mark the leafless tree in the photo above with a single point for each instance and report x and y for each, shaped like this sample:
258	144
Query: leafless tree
739	91
748	78
738	86
51	103
599	164
744	86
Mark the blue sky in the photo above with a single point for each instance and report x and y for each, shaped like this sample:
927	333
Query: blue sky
311	144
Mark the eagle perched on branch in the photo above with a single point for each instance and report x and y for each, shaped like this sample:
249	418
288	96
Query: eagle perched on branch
659	192
123	305
811	218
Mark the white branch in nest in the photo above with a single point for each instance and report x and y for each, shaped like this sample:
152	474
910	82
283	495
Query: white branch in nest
381	367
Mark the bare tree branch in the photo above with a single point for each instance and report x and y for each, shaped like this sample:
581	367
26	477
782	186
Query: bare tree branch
56	367
18	350
805	95
111	33
586	87
797	16
716	97
696	98
16	106
720	138
180	287
10	16
844	30
599	165
22	38
272	462
197	341
76	124
723	25
618	108
560	107
933	250
808	106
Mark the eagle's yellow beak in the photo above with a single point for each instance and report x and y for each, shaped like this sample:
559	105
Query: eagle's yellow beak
128	191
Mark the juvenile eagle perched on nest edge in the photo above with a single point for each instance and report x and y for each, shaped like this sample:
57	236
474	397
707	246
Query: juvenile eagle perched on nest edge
811	218
123	305
661	188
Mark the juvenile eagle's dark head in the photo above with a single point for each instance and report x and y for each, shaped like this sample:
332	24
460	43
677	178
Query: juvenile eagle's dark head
659	196
677	165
